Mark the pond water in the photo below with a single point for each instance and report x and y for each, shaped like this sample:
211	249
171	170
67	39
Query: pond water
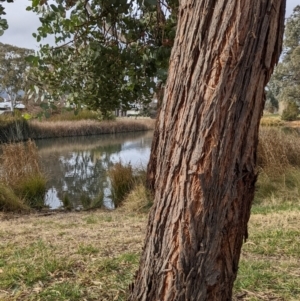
76	167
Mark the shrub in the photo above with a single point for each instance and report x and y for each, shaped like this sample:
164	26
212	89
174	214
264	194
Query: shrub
9	201
291	112
122	181
13	129
32	189
67	204
138	200
89	203
71	116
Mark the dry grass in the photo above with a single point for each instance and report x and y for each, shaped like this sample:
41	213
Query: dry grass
93	256
75	256
271	120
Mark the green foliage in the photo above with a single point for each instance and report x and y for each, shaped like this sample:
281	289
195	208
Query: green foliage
291	112
71	116
109	53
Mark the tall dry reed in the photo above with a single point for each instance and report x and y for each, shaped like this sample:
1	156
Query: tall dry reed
278	150
19	160
21	172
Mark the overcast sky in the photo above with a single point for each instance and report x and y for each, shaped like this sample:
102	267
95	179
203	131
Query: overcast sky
23	23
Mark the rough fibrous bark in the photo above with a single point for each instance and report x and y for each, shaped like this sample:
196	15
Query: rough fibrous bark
204	151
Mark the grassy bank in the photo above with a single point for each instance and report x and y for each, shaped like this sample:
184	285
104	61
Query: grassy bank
93	256
18	129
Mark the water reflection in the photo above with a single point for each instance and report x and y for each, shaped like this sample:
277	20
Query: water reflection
77	166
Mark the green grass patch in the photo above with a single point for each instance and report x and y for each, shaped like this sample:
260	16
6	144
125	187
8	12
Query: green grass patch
264	279
61	291
29	265
266	208
279	242
87	249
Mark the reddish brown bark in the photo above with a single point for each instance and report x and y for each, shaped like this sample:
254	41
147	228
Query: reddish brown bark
204	150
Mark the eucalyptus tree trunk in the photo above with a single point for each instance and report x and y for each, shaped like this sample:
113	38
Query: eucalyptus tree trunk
204	151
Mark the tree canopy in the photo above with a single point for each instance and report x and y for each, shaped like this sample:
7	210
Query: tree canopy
111	54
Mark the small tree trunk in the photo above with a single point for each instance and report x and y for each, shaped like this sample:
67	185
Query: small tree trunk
204	148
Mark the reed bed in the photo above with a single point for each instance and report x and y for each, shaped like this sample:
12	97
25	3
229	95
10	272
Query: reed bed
16	129
55	129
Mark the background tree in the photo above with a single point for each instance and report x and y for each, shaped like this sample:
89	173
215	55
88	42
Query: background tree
285	83
111	53
13	69
271	104
203	157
